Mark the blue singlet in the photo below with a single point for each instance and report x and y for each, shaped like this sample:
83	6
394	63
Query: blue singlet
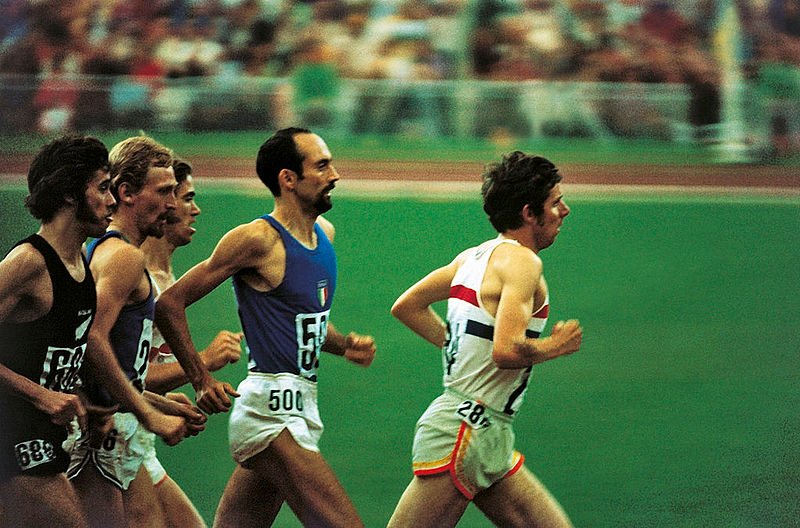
286	326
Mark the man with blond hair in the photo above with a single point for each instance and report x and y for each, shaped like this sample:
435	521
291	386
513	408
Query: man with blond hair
102	467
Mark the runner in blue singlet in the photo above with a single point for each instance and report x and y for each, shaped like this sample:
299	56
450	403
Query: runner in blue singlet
119	341
284	275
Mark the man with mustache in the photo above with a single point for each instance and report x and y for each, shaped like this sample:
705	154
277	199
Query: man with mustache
101	469
155	499
47	305
284	276
498	304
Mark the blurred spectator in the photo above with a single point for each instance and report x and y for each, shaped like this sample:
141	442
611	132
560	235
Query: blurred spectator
93	109
703	78
500	53
55	98
397	41
13	22
661	20
585	24
517	56
408	107
40	54
484	51
448	34
545	36
190	50
239	27
778	81
351	47
315	83
785	16
388	30
623	13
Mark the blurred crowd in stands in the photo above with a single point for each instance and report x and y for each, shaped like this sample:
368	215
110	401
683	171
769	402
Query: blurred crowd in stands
320	42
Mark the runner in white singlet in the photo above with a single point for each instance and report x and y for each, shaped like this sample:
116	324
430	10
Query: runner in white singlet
498	304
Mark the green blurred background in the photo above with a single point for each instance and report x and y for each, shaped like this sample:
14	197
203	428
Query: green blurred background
244	144
681	409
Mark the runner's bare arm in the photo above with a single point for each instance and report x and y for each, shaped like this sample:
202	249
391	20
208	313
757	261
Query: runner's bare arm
25	289
178	404
243	247
115	284
358	349
520	272
223	350
413	307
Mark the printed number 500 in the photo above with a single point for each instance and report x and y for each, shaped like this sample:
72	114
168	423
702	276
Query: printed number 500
285	400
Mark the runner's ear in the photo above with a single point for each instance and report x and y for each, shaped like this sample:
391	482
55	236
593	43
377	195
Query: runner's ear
287	178
124	192
527	213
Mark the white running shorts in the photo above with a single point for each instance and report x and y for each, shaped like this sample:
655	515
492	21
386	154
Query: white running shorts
119	456
270	403
471	442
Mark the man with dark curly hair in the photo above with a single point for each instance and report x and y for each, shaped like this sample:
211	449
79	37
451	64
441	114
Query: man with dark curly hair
47	305
498	303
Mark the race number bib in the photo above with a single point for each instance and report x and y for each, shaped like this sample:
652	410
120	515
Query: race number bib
290	395
473	414
142	356
34	453
60	368
312	329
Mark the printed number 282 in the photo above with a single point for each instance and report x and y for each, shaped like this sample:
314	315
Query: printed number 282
473	413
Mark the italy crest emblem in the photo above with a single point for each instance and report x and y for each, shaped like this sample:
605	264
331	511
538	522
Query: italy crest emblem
322	292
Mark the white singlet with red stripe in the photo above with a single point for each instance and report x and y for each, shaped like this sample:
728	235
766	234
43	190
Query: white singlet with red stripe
467	353
160	351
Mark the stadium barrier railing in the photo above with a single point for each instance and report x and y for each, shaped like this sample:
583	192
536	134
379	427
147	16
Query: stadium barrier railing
458	109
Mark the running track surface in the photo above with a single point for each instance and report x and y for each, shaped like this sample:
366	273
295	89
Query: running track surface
775	178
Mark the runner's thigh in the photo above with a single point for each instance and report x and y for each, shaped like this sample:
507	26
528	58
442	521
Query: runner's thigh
249	500
306	481
521	500
429	501
48	501
142	506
